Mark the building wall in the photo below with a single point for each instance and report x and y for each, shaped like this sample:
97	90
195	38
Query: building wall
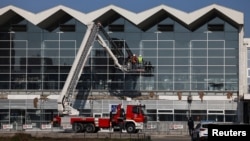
205	59
183	60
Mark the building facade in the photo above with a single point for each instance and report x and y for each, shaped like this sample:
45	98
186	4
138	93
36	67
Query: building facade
197	61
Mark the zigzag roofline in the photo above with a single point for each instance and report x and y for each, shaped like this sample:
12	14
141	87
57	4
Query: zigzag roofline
136	18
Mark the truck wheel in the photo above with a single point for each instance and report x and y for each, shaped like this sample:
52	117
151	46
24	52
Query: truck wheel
77	127
130	128
90	128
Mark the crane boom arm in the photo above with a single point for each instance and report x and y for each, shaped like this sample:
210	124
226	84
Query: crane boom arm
66	96
106	47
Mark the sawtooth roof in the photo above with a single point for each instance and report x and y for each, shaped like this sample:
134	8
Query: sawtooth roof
48	19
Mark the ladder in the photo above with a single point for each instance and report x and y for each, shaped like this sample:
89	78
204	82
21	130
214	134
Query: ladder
65	98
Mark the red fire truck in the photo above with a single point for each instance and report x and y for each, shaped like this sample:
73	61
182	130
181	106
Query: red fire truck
132	120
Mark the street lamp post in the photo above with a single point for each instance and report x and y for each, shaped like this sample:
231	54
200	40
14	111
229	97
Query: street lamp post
157	36
207	32
157	46
59	55
11	32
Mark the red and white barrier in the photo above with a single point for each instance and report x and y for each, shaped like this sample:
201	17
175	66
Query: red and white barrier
176	126
27	126
7	126
46	126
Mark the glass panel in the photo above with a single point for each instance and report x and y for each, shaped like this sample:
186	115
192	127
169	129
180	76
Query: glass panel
232	44
51	53
51	44
165	44
165	53
19	44
215	69
67	52
33	69
165	61
4	52
167	85
4	85
182	53
215	61
17	61
231	52
217	118
4	69
198	86
231	61
199	53
34	52
149	44
231	69
199	44
182	61
182	44
198	78
34	77
215	52
232	36
165	117
182	69
67	44
51	77
182	36
51	69
199	61
165	69
180	117
66	61
34	85
4	77
149	53
216	44
19	52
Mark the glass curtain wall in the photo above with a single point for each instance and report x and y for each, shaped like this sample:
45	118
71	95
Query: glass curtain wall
36	59
182	60
205	59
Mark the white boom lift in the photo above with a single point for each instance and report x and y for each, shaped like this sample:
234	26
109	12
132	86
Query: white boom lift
66	96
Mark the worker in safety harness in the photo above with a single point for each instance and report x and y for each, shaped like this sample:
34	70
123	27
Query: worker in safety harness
140	61
134	61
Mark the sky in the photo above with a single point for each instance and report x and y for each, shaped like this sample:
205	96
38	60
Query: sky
136	6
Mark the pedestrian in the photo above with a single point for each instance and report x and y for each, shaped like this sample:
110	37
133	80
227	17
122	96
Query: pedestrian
190	126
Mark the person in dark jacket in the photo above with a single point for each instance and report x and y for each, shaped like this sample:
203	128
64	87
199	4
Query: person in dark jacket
190	126
134	61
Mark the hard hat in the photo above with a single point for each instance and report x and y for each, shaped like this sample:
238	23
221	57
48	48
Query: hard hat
140	55
133	54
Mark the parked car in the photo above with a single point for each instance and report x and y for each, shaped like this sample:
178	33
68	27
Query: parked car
200	131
